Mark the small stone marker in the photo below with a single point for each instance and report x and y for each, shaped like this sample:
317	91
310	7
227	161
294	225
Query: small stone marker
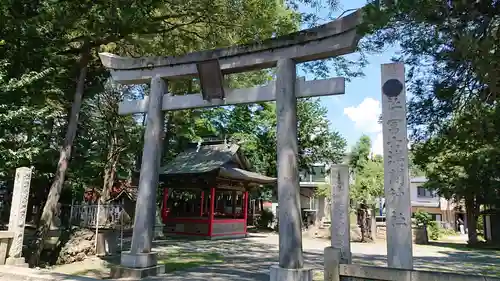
340	226
17	219
396	184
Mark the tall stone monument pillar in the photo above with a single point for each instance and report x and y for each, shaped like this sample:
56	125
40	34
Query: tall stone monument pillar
17	219
141	261
396	184
291	260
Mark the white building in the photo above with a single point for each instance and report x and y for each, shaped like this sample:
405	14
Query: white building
442	210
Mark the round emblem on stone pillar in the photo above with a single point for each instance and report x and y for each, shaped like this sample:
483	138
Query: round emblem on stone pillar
392	88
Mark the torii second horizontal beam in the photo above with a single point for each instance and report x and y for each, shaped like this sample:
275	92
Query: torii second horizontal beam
324	87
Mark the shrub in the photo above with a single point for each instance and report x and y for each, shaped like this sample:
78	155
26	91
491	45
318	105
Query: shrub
266	219
448	232
433	230
424	219
480	225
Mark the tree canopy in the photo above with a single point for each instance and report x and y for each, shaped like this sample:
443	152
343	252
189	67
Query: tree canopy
368	184
367	171
57	103
451	49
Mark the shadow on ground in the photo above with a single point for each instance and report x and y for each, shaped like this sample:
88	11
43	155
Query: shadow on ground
250	260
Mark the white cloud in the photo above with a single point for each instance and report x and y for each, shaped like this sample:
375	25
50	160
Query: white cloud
378	145
365	117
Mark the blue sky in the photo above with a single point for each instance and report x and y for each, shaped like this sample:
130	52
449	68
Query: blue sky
356	113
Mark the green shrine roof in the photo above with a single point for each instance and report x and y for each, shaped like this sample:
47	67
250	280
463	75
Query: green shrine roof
217	157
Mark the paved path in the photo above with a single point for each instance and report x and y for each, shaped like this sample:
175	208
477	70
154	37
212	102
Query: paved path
250	259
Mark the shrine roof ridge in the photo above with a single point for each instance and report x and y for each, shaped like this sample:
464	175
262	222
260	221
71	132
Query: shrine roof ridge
223	159
201	159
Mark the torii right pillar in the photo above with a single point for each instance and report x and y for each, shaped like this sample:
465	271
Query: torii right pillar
396	183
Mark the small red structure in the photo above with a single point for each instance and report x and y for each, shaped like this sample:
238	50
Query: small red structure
205	192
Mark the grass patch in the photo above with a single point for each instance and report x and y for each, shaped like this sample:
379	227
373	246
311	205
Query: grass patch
172	259
318	275
175	260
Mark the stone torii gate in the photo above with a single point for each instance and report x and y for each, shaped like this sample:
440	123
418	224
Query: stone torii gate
336	38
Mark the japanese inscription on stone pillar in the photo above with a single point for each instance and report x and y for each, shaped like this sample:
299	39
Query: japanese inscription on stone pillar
18	210
340	226
396	184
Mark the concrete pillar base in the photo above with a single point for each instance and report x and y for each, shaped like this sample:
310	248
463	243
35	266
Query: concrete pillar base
331	264
287	274
122	272
16	262
141	260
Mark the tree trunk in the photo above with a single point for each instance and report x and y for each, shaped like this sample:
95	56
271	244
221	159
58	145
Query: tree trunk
363	223
109	178
50	207
373	224
470	209
110	169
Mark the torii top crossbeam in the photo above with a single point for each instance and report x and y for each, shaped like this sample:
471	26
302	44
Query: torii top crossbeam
335	38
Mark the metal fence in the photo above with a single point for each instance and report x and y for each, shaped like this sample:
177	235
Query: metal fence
96	216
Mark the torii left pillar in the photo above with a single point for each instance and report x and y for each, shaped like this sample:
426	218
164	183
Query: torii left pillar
291	260
140	261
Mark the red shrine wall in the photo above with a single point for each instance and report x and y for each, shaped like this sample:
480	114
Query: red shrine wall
208	221
187	228
230	227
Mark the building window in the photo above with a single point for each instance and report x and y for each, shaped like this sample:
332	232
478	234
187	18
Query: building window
424	193
318	174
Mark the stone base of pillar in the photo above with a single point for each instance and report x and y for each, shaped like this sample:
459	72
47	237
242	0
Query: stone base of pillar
286	274
16	262
141	260
137	266
122	272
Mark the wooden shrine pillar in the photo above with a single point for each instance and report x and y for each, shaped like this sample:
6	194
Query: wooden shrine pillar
245	209
233	202
211	214
164	209
202	203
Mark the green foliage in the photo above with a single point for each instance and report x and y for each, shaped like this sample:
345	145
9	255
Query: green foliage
45	44
40	45
254	128
450	49
368	173
447	232
42	42
422	218
324	190
480	225
434	231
